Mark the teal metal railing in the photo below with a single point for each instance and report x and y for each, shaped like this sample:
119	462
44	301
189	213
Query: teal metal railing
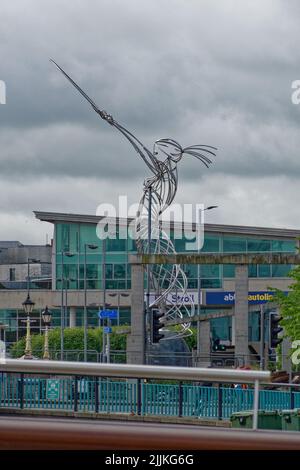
107	395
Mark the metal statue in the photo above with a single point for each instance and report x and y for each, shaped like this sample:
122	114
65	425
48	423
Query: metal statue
158	193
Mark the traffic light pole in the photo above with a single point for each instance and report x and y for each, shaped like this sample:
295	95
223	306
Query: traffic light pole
262	337
147	319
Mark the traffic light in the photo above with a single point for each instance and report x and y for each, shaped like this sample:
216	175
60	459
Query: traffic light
156	325
217	346
275	329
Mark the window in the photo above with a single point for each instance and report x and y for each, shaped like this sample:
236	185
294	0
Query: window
259	245
108	271
180	245
211	283
220	328
211	244
284	245
67	237
228	270
281	270
115	244
209	271
264	270
252	270
12	274
234	244
119	271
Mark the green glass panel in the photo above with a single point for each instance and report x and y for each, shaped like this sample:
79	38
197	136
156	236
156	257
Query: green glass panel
62	237
209	270
211	283
91	284
192	283
254	326
264	270
221	328
114	284
180	245
116	258
70	271
228	270
128	271
125	316
131	245
258	245
234	244
88	236
191	270
284	245
115	245
281	270
108	271
252	270
119	271
211	244
93	271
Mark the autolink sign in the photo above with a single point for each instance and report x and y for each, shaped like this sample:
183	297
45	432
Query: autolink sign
228	297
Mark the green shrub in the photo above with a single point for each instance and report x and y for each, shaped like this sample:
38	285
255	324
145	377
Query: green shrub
73	341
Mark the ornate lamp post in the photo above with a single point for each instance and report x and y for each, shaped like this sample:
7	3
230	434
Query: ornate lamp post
28	305
63	308
46	314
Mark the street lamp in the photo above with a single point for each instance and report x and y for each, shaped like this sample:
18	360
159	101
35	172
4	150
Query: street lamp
62	308
105	347
91	247
46	315
28	305
198	275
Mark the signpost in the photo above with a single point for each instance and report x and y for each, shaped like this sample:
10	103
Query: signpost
53	389
111	314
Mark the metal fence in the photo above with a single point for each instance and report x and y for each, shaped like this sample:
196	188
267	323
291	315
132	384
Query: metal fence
136	396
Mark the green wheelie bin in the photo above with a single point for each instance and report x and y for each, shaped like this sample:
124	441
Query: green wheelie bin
290	420
266	420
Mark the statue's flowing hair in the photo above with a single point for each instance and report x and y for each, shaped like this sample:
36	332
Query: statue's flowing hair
161	187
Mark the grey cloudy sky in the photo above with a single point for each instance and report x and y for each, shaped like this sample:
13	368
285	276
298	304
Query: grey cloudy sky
217	72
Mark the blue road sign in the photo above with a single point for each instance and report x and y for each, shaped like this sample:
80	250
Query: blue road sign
112	314
107	329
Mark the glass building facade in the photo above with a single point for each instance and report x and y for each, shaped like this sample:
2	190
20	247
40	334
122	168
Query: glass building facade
77	241
74	238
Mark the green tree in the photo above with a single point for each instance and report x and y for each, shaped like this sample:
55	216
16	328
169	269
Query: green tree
290	305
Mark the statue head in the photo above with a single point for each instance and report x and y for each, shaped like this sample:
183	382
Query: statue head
167	148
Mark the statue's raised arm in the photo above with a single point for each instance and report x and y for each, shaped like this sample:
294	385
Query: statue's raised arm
146	155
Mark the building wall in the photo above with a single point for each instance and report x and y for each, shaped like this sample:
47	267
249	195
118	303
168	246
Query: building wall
21	271
74	236
14	265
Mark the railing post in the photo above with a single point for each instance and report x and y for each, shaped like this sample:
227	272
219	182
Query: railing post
180	396
255	404
139	397
220	402
96	395
292	398
21	391
76	393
